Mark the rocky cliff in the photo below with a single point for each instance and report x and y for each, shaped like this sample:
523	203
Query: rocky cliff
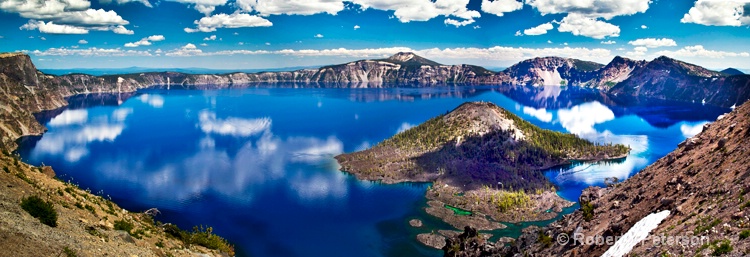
552	71
618	70
702	185
662	78
24	90
667	78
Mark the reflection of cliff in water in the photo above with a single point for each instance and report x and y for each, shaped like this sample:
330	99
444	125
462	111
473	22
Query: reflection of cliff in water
364	92
657	112
84	101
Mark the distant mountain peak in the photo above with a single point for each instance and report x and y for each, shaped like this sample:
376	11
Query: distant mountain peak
664	58
403	56
732	71
411	58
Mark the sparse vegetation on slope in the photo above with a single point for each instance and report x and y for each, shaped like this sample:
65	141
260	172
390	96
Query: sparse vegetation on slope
30	195
40	209
477	144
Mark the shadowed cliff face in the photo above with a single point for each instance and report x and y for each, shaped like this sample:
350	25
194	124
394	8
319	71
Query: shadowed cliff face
553	71
666	78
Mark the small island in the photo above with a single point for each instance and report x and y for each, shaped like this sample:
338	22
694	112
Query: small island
486	165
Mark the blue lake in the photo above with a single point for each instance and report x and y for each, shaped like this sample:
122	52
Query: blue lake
257	164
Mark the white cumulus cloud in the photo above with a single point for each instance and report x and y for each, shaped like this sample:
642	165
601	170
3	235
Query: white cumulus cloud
235	20
606	9
538	30
653	42
203	6
718	13
52	28
581	25
144	2
423	10
291	7
700	51
500	7
146	41
583	17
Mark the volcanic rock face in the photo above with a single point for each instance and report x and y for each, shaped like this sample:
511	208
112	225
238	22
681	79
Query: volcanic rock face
553	71
618	70
703	184
26	90
494	138
666	78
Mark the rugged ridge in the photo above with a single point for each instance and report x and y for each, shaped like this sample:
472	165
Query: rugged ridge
732	71
468	146
667	78
618	70
703	183
25	90
552	71
481	159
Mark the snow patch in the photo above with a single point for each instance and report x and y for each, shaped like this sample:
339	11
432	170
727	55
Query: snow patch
636	234
552	77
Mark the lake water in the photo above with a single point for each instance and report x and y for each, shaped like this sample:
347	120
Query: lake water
257	164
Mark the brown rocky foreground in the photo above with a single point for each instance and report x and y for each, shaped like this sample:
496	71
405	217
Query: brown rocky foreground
704	184
85	223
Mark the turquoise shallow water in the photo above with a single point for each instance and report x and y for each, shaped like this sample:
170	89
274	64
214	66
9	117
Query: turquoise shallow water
257	164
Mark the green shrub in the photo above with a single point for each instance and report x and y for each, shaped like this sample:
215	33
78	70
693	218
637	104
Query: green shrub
69	253
40	209
123	225
200	236
510	200
544	239
744	234
588	211
206	238
704	226
23	177
90	208
110	208
723	248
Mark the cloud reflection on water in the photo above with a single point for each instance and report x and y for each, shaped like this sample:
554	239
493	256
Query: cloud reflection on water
78	130
263	160
581	120
541	114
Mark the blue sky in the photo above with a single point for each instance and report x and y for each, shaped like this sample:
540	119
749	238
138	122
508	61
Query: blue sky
249	34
